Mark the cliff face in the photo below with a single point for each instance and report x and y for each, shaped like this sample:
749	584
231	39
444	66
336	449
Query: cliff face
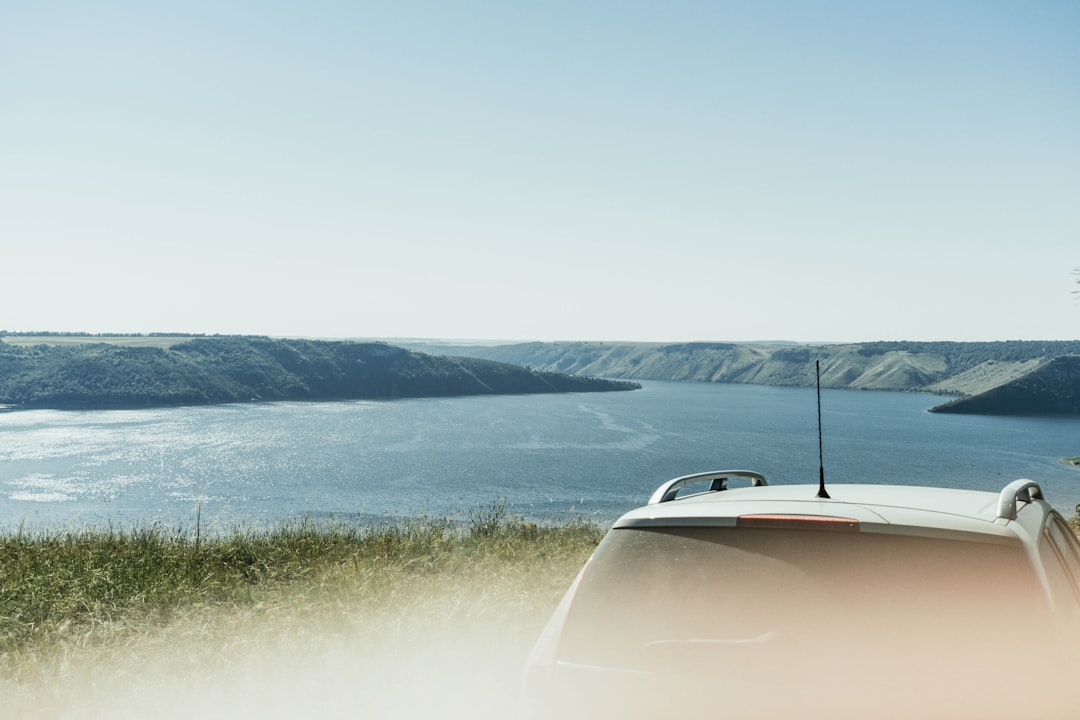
842	366
946	368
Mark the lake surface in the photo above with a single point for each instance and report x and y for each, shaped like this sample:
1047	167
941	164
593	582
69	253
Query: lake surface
547	456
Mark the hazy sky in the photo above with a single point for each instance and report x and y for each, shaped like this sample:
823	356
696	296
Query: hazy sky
810	171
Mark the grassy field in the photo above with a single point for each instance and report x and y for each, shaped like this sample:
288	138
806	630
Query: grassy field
427	618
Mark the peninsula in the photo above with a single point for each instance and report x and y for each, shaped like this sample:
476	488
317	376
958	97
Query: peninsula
68	372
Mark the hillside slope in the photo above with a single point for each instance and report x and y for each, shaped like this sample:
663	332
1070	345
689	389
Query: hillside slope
1052	388
234	369
946	368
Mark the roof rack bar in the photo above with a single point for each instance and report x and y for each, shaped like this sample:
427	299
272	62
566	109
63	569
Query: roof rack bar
719	478
1017	491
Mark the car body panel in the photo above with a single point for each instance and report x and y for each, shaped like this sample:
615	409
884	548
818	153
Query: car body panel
749	677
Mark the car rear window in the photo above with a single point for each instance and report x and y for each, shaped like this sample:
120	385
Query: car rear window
657	596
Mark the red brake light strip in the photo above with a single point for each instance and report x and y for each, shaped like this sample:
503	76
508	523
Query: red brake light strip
797	522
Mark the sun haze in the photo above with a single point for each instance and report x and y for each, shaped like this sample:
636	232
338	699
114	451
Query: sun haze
643	171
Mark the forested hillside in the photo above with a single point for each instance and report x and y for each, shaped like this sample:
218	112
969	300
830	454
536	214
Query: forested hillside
235	369
59	371
1052	388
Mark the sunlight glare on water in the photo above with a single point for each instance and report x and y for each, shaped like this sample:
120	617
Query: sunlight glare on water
549	456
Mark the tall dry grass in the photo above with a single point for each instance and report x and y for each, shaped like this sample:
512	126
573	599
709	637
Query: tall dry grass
404	620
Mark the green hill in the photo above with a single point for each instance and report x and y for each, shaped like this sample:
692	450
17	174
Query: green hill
1052	388
187	371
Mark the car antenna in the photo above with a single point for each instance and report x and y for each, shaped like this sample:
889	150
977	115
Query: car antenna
821	493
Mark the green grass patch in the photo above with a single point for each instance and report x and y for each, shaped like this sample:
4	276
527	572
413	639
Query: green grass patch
420	618
57	586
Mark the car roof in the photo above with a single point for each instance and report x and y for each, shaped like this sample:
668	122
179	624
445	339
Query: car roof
898	509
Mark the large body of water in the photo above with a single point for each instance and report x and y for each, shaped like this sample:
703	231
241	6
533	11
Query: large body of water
547	456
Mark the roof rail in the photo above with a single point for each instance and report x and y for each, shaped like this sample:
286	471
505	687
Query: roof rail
1016	492
719	478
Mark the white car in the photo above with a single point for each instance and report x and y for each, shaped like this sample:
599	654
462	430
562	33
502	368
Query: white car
866	601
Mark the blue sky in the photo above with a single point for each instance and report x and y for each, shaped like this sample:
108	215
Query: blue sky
831	171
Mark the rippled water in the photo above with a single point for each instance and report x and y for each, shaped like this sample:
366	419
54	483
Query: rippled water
550	456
